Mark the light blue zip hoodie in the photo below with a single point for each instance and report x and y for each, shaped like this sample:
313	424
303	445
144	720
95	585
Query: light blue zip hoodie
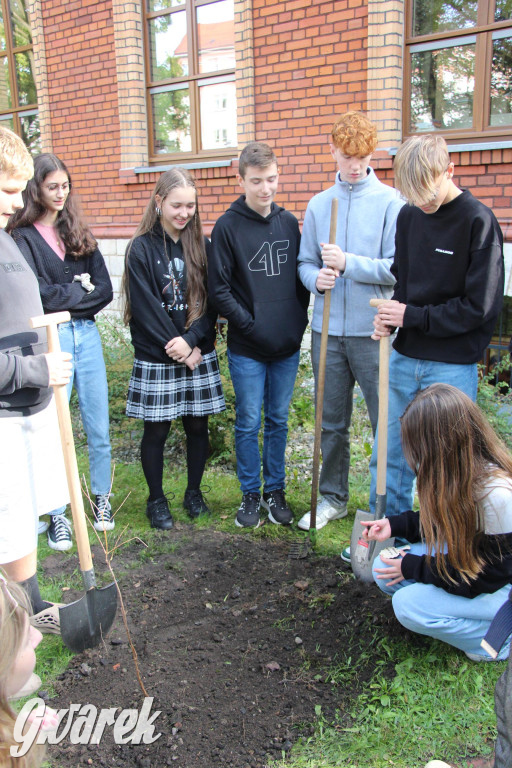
365	232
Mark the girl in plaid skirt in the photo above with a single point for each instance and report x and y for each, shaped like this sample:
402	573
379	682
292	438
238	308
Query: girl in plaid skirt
175	372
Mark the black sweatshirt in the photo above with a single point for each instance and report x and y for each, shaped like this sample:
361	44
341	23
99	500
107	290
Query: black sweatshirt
55	276
253	281
449	271
496	550
157	298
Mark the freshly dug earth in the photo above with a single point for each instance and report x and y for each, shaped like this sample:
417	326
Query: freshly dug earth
233	640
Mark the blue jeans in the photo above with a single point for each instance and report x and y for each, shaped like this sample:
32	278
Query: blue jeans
459	621
349	359
81	339
407	376
270	385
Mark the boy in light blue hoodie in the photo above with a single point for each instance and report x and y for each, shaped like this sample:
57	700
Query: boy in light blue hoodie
356	268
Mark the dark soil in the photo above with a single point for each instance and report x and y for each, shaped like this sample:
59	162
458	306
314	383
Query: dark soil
233	639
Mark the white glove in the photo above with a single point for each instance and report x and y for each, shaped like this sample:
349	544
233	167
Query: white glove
85	280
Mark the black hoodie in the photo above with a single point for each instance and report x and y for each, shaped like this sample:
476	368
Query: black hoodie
253	281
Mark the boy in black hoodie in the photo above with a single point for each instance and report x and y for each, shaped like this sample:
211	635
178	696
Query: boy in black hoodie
448	294
253	283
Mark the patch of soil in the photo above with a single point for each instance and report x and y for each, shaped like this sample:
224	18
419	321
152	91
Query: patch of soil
233	639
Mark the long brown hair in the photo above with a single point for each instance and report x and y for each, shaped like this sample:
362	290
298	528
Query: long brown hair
77	238
191	238
14	607
454	452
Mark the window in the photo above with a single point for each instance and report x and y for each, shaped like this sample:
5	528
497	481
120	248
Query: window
190	75
18	96
458	68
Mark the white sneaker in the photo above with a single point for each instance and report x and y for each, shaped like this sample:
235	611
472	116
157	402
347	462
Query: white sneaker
59	533
437	764
103	517
324	514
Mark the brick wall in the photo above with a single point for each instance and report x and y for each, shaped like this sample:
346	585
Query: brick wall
307	62
310	64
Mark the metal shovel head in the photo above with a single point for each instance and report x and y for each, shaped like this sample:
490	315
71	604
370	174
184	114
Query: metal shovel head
362	554
84	623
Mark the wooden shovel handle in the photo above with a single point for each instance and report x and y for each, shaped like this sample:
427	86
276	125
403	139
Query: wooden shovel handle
68	444
320	384
382	444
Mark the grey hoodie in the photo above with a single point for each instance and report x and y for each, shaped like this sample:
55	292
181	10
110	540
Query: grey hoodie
367	214
24	372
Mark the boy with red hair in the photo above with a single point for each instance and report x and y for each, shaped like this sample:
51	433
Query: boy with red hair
357	268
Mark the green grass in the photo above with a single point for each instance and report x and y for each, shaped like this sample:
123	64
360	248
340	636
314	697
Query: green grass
421	702
435	703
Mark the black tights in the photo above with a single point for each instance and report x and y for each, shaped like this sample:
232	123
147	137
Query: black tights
152	452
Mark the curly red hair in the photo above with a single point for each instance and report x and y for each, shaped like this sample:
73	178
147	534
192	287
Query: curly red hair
354	134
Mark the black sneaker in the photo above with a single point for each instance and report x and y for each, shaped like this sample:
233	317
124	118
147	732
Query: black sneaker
59	533
103	519
159	514
195	504
278	510
248	515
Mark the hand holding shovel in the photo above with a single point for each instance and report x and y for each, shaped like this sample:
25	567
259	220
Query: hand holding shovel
86	621
362	551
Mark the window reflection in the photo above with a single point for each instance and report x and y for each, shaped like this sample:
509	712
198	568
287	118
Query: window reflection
25	79
20	23
168	43
192	107
218	111
171	121
430	16
503	10
501	82
160	5
216	36
442	87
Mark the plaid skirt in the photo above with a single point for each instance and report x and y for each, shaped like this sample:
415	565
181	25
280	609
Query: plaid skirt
160	392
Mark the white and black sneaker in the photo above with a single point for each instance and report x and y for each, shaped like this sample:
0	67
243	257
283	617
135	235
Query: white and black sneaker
278	510
103	518
248	515
59	533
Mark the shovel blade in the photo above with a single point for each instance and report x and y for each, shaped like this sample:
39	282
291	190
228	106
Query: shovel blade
361	553
85	622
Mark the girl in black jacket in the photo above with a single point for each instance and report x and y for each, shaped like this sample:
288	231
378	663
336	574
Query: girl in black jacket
459	568
72	276
175	372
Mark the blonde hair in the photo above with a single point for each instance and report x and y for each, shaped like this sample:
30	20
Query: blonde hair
354	134
15	159
14	613
419	161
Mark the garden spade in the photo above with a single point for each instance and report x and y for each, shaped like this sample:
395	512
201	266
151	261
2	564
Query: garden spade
300	547
362	552
86	621
319	409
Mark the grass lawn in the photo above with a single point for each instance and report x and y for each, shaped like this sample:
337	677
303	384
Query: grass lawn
437	703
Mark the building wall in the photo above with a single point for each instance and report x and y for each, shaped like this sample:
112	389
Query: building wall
299	65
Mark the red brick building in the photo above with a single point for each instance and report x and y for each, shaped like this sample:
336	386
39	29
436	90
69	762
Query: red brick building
125	89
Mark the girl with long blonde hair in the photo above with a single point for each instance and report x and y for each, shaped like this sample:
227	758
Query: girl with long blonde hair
458	571
175	372
18	641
